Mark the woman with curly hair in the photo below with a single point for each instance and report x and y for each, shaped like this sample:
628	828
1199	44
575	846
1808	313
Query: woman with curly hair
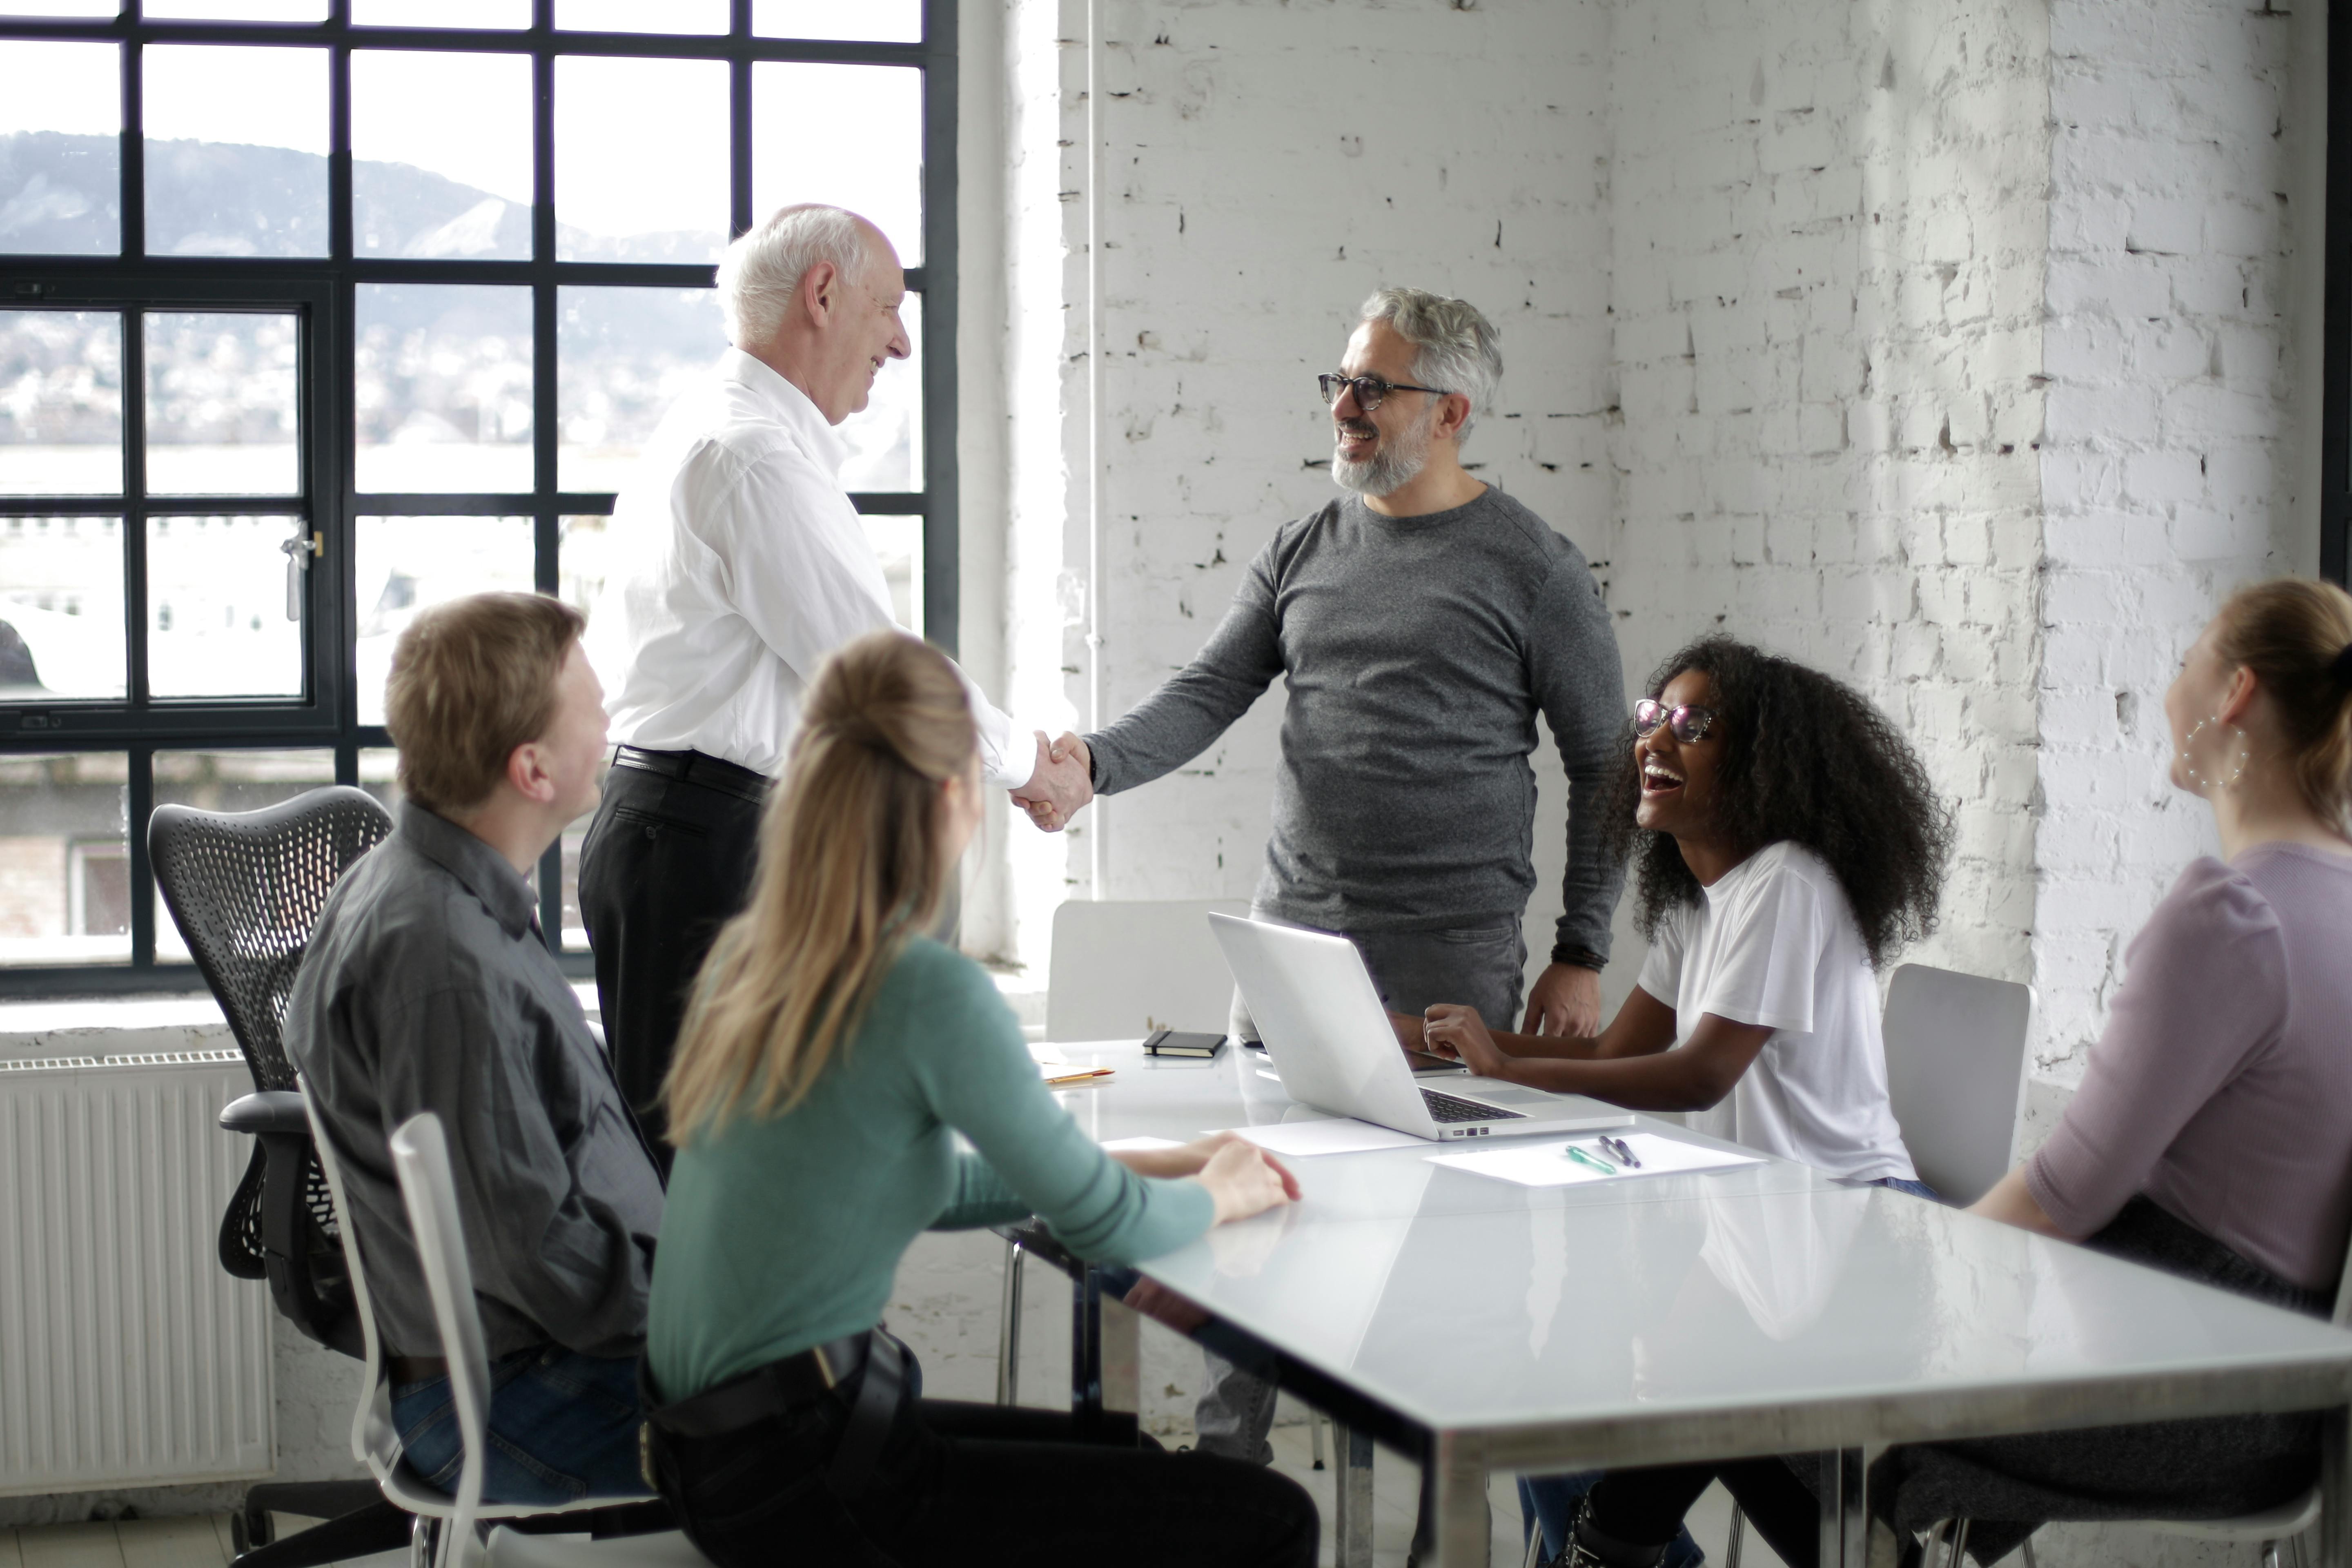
1787	842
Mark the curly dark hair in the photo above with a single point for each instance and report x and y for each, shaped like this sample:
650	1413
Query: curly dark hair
1808	760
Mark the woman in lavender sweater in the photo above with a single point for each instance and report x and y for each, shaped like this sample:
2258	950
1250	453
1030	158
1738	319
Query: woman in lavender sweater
2212	1135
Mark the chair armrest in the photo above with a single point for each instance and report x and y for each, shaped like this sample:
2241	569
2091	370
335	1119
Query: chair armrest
272	1110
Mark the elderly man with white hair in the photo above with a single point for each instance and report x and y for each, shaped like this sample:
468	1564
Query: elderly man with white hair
738	563
1420	619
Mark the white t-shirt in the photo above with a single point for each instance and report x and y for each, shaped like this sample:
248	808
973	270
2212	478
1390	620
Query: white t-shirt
1774	942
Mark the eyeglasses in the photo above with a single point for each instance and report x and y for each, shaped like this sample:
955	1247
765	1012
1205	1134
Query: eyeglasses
1370	390
1689	721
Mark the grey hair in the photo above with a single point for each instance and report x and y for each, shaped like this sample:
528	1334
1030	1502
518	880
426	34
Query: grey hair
1456	348
762	270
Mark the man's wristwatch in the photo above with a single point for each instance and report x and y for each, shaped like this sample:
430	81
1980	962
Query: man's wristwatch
1581	957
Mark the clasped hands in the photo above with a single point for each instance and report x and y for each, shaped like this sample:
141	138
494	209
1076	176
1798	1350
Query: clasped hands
1063	783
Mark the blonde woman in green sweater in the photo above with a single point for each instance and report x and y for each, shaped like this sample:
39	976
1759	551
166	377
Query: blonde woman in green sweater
830	1057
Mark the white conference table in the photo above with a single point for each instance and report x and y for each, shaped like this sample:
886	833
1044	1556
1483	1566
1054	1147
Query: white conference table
1484	1326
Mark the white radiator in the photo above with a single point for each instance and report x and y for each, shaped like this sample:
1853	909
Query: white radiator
127	1356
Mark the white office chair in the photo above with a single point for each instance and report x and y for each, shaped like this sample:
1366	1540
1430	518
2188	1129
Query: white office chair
375	1441
1950	1128
1955	1076
1120	969
1956	1073
1124	968
420	1156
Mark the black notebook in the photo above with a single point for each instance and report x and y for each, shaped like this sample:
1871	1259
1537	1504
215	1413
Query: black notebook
1170	1043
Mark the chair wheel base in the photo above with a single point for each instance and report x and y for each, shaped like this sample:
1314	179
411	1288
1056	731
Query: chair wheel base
249	1528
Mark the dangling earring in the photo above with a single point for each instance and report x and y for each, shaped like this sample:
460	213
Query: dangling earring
2197	781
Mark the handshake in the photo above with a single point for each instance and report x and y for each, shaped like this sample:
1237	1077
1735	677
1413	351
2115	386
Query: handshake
1063	783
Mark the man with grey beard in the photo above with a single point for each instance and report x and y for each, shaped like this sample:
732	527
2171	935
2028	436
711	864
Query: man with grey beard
1420	622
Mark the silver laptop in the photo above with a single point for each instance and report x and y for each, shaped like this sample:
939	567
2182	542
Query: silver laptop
1324	1026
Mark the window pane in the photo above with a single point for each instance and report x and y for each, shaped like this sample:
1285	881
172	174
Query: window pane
60	403
64	859
60	7
575	930
237	150
441	12
61	621
636	17
380	775
60	149
456	181
221	392
622	357
407	562
897	543
228	781
876	21
216	623
443	398
641	159
580	562
850	135
886	440
235	10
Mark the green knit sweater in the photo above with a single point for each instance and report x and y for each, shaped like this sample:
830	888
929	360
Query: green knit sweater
785	1233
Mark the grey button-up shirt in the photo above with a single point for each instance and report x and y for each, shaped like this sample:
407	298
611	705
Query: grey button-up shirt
426	987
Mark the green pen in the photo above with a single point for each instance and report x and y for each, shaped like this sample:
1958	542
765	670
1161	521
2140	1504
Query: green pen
1581	1158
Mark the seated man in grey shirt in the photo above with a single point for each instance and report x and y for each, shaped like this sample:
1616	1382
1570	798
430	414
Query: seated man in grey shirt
428	986
1420	622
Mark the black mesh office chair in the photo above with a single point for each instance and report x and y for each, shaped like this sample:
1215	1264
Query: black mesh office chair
246	889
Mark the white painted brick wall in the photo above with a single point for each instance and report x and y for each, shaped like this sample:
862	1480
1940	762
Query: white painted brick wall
1263	171
1827	262
2172	466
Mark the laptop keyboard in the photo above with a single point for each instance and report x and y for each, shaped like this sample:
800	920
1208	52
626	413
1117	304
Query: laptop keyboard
1453	1107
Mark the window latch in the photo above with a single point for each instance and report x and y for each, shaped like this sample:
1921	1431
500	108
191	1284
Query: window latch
299	551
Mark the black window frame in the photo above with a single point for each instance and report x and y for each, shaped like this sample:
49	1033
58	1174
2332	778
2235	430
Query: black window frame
323	290
2336	324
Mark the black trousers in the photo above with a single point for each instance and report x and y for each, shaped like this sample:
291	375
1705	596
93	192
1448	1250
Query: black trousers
665	864
2212	1466
976	1486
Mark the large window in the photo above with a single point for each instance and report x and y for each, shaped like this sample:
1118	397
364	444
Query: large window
2336	439
314	312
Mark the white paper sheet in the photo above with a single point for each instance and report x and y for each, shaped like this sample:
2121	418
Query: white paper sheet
1131	1145
1544	1162
1339	1135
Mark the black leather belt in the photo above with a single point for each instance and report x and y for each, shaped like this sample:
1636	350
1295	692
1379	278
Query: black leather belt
873	1359
696	768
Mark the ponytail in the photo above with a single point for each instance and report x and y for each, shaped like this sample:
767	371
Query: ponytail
850	865
2295	635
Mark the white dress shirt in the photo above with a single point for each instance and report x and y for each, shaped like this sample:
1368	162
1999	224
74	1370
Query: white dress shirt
737	564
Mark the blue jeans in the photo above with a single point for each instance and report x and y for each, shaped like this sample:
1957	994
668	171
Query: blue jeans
563	1427
1916	1189
1549	1503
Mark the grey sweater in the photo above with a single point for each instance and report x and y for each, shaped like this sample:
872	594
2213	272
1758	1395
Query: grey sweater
1416	652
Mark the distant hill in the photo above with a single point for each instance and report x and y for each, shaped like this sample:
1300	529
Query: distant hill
60	195
62	385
